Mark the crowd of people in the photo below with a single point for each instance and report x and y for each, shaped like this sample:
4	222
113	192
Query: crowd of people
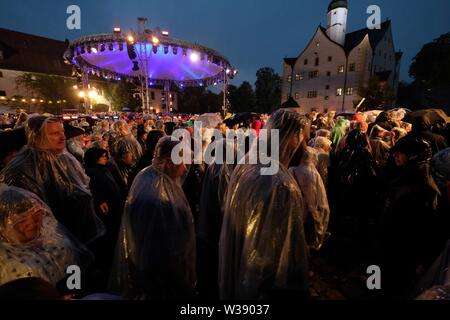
106	195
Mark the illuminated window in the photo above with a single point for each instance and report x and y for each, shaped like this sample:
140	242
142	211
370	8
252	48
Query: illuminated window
289	78
349	91
297	96
341	69
339	91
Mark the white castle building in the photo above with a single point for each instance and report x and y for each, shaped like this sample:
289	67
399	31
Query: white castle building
326	75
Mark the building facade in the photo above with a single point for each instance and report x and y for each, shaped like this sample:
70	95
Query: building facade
328	72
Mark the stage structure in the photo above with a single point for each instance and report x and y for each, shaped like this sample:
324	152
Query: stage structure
149	58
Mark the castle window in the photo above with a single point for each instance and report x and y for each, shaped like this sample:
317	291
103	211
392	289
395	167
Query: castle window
317	62
349	91
327	97
312	94
2	93
339	91
352	67
330	58
1	74
317	44
313	74
328	73
299	76
289	78
297	96
341	69
305	62
327	87
152	94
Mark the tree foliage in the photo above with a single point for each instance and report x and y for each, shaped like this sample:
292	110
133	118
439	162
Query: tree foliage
267	90
431	65
378	95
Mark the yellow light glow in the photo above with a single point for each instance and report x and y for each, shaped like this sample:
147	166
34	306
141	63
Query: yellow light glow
41	101
165	33
81	94
3	98
117	30
130	39
50	102
33	100
155	40
24	100
93	94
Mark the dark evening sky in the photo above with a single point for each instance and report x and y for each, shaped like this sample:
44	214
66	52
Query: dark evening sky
250	33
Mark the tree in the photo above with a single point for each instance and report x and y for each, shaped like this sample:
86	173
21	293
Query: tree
268	90
199	100
378	95
245	100
120	94
431	65
48	87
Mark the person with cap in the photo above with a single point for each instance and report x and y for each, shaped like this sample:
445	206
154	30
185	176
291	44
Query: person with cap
45	168
408	225
155	256
262	247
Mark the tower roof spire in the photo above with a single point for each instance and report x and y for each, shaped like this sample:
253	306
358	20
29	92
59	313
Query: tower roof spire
334	4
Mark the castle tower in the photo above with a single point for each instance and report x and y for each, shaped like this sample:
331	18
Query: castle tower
337	20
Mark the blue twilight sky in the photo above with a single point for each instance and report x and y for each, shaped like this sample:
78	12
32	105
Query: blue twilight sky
250	33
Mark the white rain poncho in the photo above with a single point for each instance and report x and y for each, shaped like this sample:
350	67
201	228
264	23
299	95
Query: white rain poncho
262	249
58	179
315	199
155	252
32	242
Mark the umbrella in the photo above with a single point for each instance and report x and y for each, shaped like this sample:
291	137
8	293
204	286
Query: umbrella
240	118
210	120
435	116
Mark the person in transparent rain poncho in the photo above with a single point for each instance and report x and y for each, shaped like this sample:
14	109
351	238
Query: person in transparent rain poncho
214	191
315	199
121	133
155	252
262	248
32	242
45	168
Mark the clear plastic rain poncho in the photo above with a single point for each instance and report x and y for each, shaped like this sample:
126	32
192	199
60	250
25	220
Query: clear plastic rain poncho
380	148
58	179
262	249
155	252
121	137
214	193
315	199
32	242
